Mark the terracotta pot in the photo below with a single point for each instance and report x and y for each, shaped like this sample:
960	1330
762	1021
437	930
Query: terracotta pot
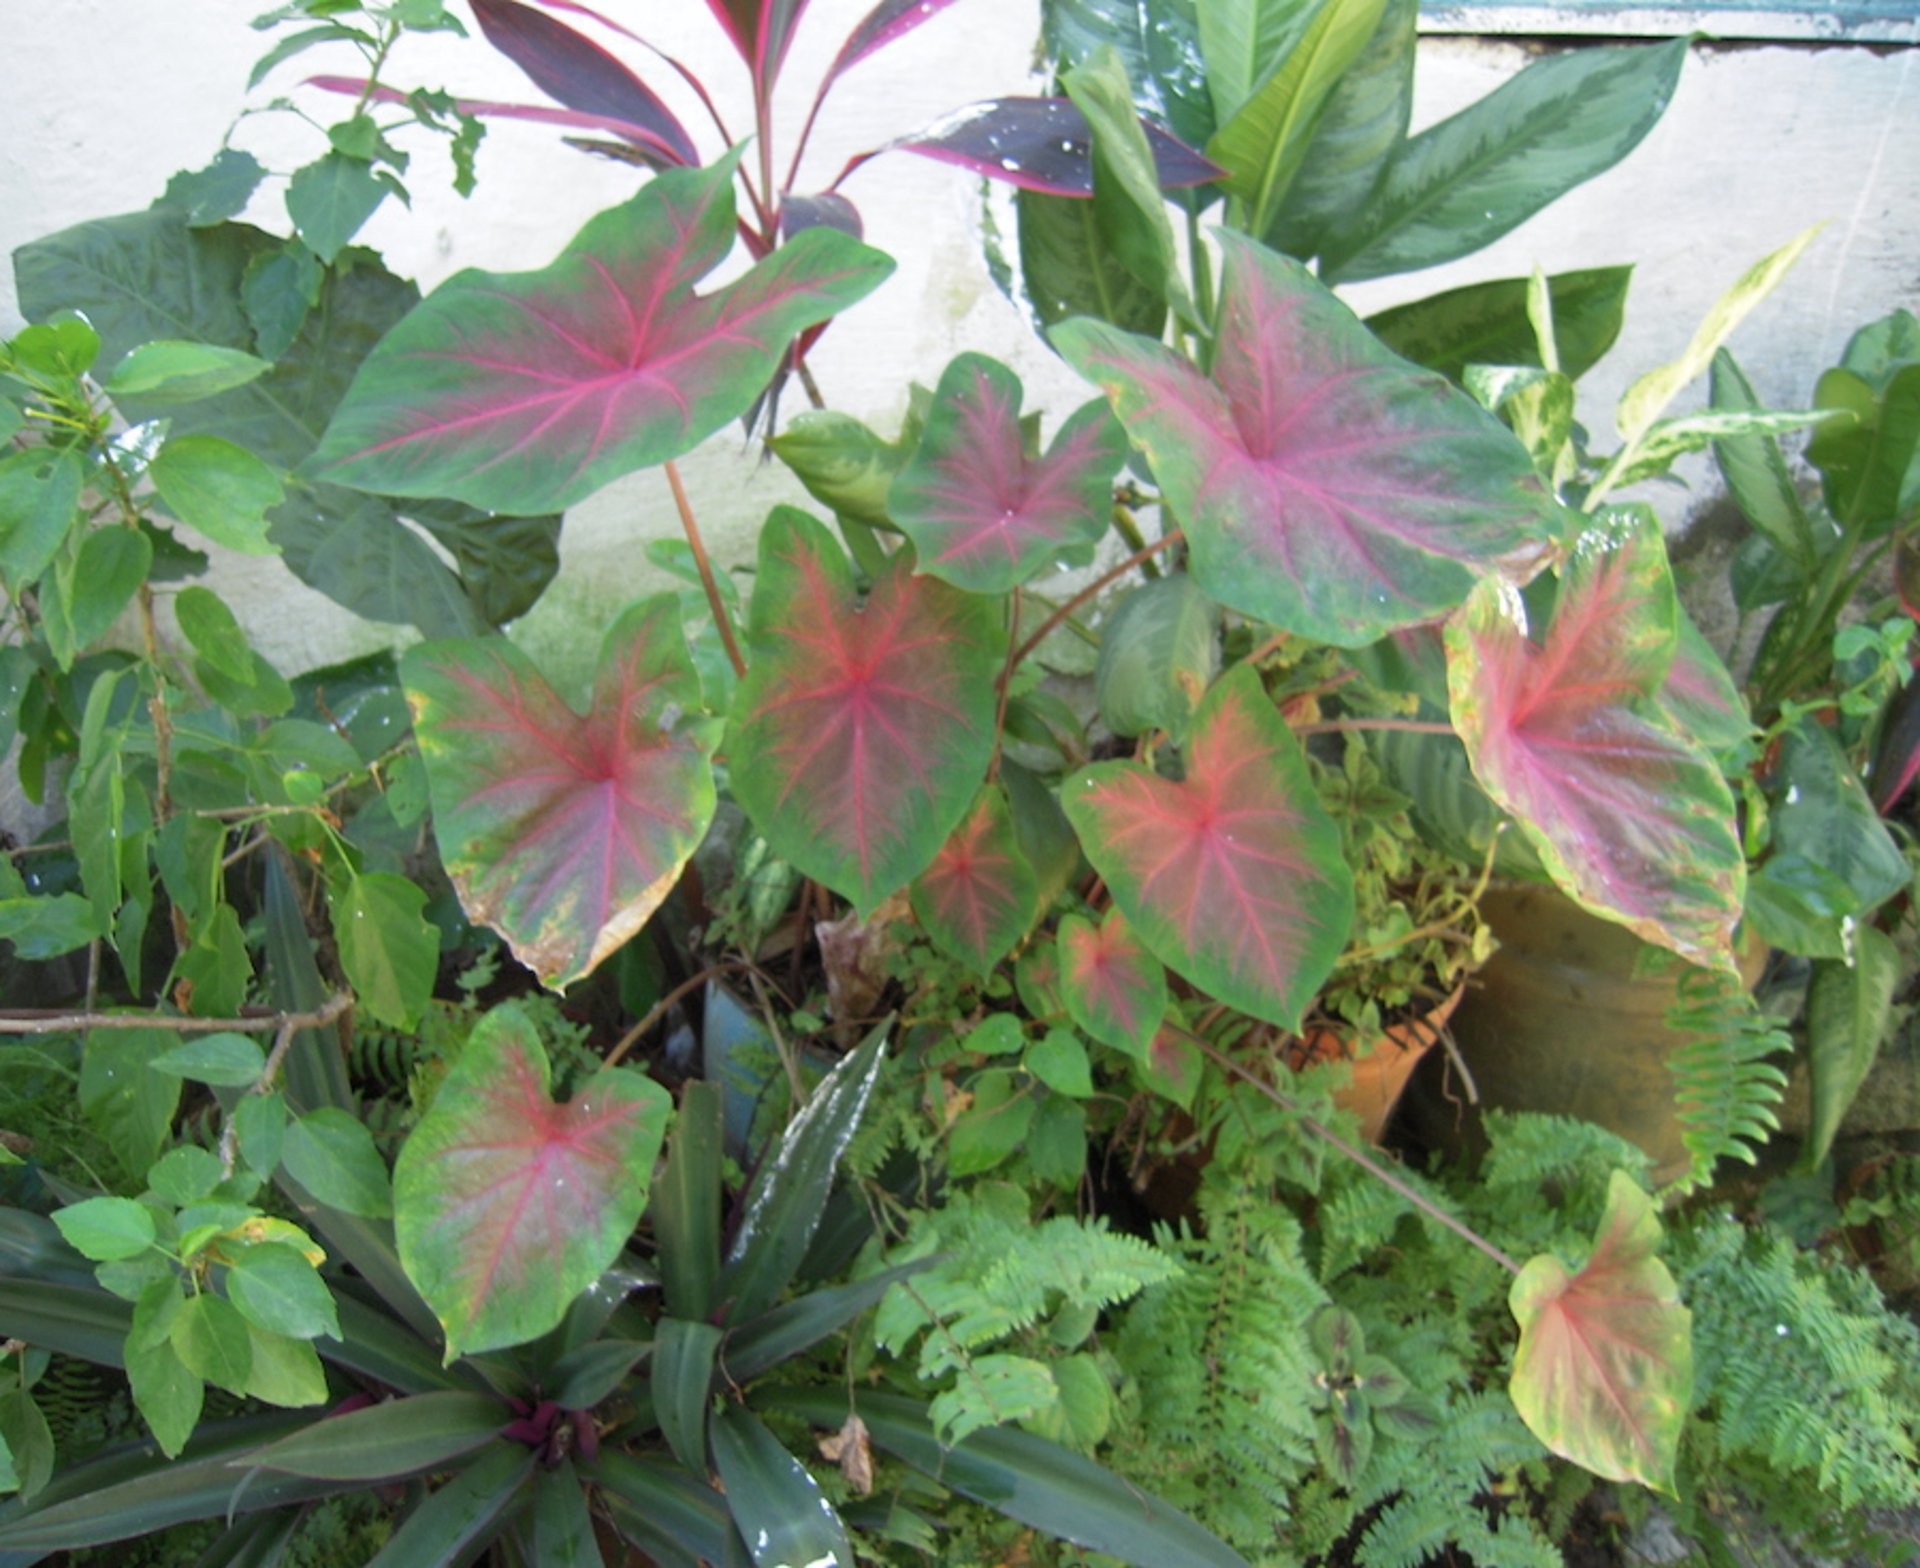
1560	1021
1380	1072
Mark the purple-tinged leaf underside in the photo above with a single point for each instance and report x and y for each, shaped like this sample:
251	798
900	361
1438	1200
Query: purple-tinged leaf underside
1631	817
862	731
760	31
577	72
1604	1371
1233	876
983	515
886	23
1113	987
564	833
1326	485
1044	144
979	896
524	393
506	1205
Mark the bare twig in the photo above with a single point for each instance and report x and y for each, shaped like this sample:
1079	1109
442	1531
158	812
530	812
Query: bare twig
1046	627
38	1020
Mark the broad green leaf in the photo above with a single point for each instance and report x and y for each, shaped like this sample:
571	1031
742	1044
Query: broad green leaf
330	198
797	1325
862	732
210	1338
25	1440
1059	1061
106	1229
168	1396
219	191
1325	485
174	371
386	1441
283	1371
1756	471
1159	45
207	623
42	928
185	1175
508	1205
1647	398
1232	876
525	393
1463	183
279	289
111	566
330	1153
39	499
125	1100
843	464
1066	269
61	348
1868	452
1630	816
261	1124
1487	323
780	1509
230	1061
985	516
1666	440
389	951
979	896
1604	1371
1159	651
220	489
1849	1006
1113	987
277	1288
1821	813
1242	42
565	832
995	1124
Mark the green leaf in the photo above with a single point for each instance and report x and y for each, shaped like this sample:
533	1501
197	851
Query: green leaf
797	1325
106	1229
27	1440
39	498
843	464
383	1442
260	1122
330	199
1849	1006
1487	323
129	1104
389	951
167	1395
1068	270
686	1202
210	1338
185	1175
1604	1371
219	191
681	1382
229	1061
1463	183
464	1513
207	623
277	1289
1756	471
1159	651
278	289
331	1154
1157	42
42	928
61	348
284	1371
1868	453
220	489
779	1507
1821	813
174	371
562	1526
993	1127
111	566
1060	1062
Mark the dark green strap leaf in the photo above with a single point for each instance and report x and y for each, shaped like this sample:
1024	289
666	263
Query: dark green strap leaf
683	1358
468	1511
667	1510
686	1203
400	1437
796	1325
778	1506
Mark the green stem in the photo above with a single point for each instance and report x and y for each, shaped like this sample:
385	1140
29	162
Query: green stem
707	580
1128	528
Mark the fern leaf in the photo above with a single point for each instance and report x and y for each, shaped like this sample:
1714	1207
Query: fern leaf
1727	1086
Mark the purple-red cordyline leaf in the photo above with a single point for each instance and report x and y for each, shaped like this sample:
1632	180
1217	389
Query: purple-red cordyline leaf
979	896
1604	1371
1114	988
1233	876
1631	817
506	1205
862	731
760	30
564	833
982	514
829	210
523	393
1326	485
886	23
1044	144
656	149
1896	753
577	72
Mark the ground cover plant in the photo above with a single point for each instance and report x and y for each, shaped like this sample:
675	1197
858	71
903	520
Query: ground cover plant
808	1225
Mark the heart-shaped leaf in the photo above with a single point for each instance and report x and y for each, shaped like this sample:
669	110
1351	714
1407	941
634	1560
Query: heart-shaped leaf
1234	875
862	731
506	1205
1630	816
1604	1371
526	392
1113	987
982	514
1326	485
564	833
979	896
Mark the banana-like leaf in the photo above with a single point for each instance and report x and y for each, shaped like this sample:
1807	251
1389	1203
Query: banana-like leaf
982	514
526	392
1631	817
1113	987
1604	1371
1325	484
506	1205
563	832
862	731
979	896
1234	875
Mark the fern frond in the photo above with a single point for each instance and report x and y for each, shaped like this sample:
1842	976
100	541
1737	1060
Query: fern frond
1727	1086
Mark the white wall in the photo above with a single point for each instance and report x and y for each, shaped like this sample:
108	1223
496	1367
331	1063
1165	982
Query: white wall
101	100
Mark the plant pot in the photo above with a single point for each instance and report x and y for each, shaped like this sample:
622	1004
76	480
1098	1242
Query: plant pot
1383	1069
1561	1020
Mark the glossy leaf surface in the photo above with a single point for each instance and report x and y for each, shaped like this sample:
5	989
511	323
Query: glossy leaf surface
780	1509
1486	323
1325	484
862	731
507	1205
1114	988
1044	144
1630	816
887	22
565	832
1232	876
979	896
524	393
1604	1370
981	513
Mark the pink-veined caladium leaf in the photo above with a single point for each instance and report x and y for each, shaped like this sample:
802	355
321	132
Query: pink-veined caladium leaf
1630	817
979	896
577	72
1045	144
981	513
1699	693
862	731
523	393
506	1205
1326	485
564	833
1232	876
1604	1371
1113	987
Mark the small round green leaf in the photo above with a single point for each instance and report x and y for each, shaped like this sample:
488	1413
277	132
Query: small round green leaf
227	1061
277	1289
106	1229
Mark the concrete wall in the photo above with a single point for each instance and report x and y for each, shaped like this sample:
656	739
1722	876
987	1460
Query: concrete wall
104	99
